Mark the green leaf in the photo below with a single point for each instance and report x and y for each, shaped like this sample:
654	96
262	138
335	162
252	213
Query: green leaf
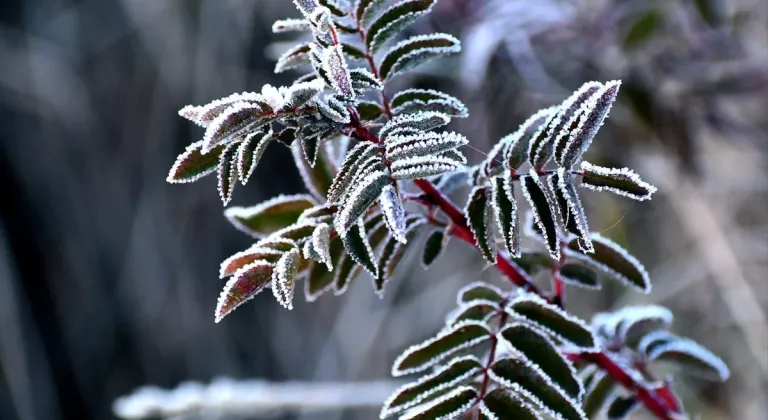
193	164
543	353
360	200
434	246
598	394
569	205
624	181
357	246
320	278
247	282
475	310
447	407
542	205
349	169
269	216
533	261
369	110
363	80
543	140
417	50
455	372
287	135
692	358
621	407
477	216
553	320
367	10
413	100
317	179
420	357
511	151
615	261
334	7
394	20
500	404
579	275
228	173
392	253
528	379
505	212
594	111
643	28
479	290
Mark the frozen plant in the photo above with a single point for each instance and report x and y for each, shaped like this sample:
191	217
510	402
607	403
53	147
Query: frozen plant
502	354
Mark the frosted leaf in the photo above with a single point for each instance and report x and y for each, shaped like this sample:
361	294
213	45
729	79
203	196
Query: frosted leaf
366	10
450	183
455	372
515	146
192	164
542	205
475	310
359	248
336	67
593	112
331	110
360	199
598	394
445	407
277	243
306	7
290	25
541	351
635	322
233	122
417	50
478	218
371	164
613	260
321	19
523	377
269	216
321	240
395	19
203	115
228	173
284	278
352	161
363	80
302	93
336	8
653	339
394	212
568	117
293	58
273	97
541	146
692	358
505	212
392	253
321	213
424	144
319	280
453	154
414	100
422	167
500	404
624	181
434	247
479	290
580	275
247	282
249	153
250	255
461	336
553	320
571	211
368	110
421	121
621	407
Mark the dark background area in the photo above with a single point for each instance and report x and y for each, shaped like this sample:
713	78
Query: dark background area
108	274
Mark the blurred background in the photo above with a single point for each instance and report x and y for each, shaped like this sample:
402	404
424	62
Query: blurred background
108	275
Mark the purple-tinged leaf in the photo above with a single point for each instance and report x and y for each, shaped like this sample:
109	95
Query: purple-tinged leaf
415	51
233	122
477	214
552	320
500	404
568	117
505	212
445	407
569	205
542	206
593	112
624	181
248	256
454	373
205	114
394	20
193	164
249	153
269	216
613	260
420	357
243	286
228	173
336	67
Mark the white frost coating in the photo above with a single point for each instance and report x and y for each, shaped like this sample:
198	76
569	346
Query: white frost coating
575	209
400	146
273	97
227	173
596	237
629	317
538	150
353	161
291	58
511	236
301	93
570	112
290	25
227	291
363	193
226	268
363	79
433	96
453	316
422	167
388	410
593	113
321	19
321	241
492	416
486	247
242	153
284	278
192	148
336	67
233	121
696	351
394	212
421	121
554	253
467	392
516	144
474	285
234	213
621	174
306	7
381	36
653	339
420	55
531	297
517	388
412	349
204	114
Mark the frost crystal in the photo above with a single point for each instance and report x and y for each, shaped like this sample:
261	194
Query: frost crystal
301	93
624	181
424	144
290	25
321	19
249	153
364	194
231	123
292	58
700	360
228	173
421	121
203	115
321	241
568	117
283	278
273	97
541	147
306	7
242	258
394	213
422	167
336	67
